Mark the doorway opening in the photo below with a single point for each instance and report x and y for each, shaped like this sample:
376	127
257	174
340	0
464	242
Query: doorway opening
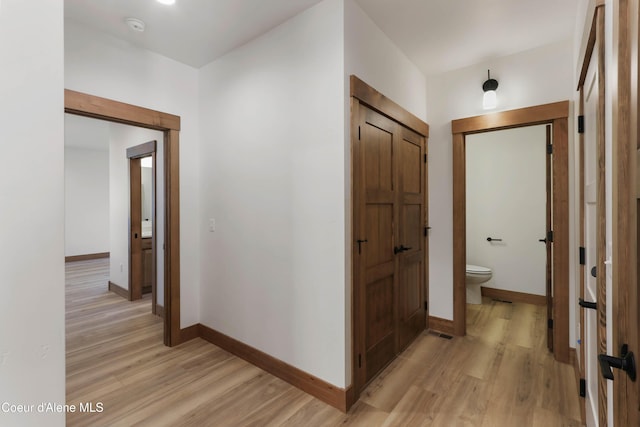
113	111
144	234
557	115
506	213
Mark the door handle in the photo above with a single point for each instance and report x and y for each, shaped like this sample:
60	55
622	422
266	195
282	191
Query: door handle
492	239
543	240
627	363
360	242
593	271
399	249
587	304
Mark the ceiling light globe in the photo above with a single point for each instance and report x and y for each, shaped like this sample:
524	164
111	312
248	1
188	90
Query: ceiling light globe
489	100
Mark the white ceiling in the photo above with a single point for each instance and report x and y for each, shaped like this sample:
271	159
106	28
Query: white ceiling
194	32
442	35
437	35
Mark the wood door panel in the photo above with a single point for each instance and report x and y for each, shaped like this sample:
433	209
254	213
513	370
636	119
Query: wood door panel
378	159
379	230
379	312
413	222
412	181
412	286
380	335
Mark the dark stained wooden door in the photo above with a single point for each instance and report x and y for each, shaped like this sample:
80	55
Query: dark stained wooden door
411	202
390	185
379	284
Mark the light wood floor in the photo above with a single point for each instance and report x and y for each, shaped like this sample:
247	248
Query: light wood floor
500	374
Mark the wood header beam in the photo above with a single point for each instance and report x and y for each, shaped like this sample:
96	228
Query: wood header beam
545	113
101	108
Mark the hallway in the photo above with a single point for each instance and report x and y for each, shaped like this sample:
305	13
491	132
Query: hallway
500	374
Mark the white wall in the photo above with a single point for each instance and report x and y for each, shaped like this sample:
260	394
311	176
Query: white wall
272	171
506	198
533	77
372	56
121	138
32	358
86	208
101	65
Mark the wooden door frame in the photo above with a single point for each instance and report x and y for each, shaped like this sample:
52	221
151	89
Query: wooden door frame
83	104
363	94
135	155
556	114
593	43
625	298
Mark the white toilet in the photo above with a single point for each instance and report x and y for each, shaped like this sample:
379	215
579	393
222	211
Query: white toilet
475	275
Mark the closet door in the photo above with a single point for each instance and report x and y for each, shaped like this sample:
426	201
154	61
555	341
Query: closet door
411	269
390	212
379	223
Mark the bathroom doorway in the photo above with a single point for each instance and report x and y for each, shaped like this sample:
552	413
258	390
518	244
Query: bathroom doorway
506	213
143	232
555	114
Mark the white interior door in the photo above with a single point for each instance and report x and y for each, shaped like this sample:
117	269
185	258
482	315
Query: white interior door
590	317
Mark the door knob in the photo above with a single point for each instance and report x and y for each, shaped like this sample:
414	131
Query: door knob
627	363
593	271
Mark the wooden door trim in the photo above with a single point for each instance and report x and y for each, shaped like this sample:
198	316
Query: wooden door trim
385	106
83	104
141	150
365	95
625	299
556	113
588	40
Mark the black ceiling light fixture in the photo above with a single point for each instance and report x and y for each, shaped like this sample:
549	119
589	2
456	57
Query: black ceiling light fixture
489	100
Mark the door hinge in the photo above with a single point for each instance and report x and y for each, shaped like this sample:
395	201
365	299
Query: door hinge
550	236
550	323
583	387
359	360
580	124
582	256
358	133
549	148
426	306
425	158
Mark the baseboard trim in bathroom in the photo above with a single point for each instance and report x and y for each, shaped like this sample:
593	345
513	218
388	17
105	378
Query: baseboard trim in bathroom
441	325
86	257
513	296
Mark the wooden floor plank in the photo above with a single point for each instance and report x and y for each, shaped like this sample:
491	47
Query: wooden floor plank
500	374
